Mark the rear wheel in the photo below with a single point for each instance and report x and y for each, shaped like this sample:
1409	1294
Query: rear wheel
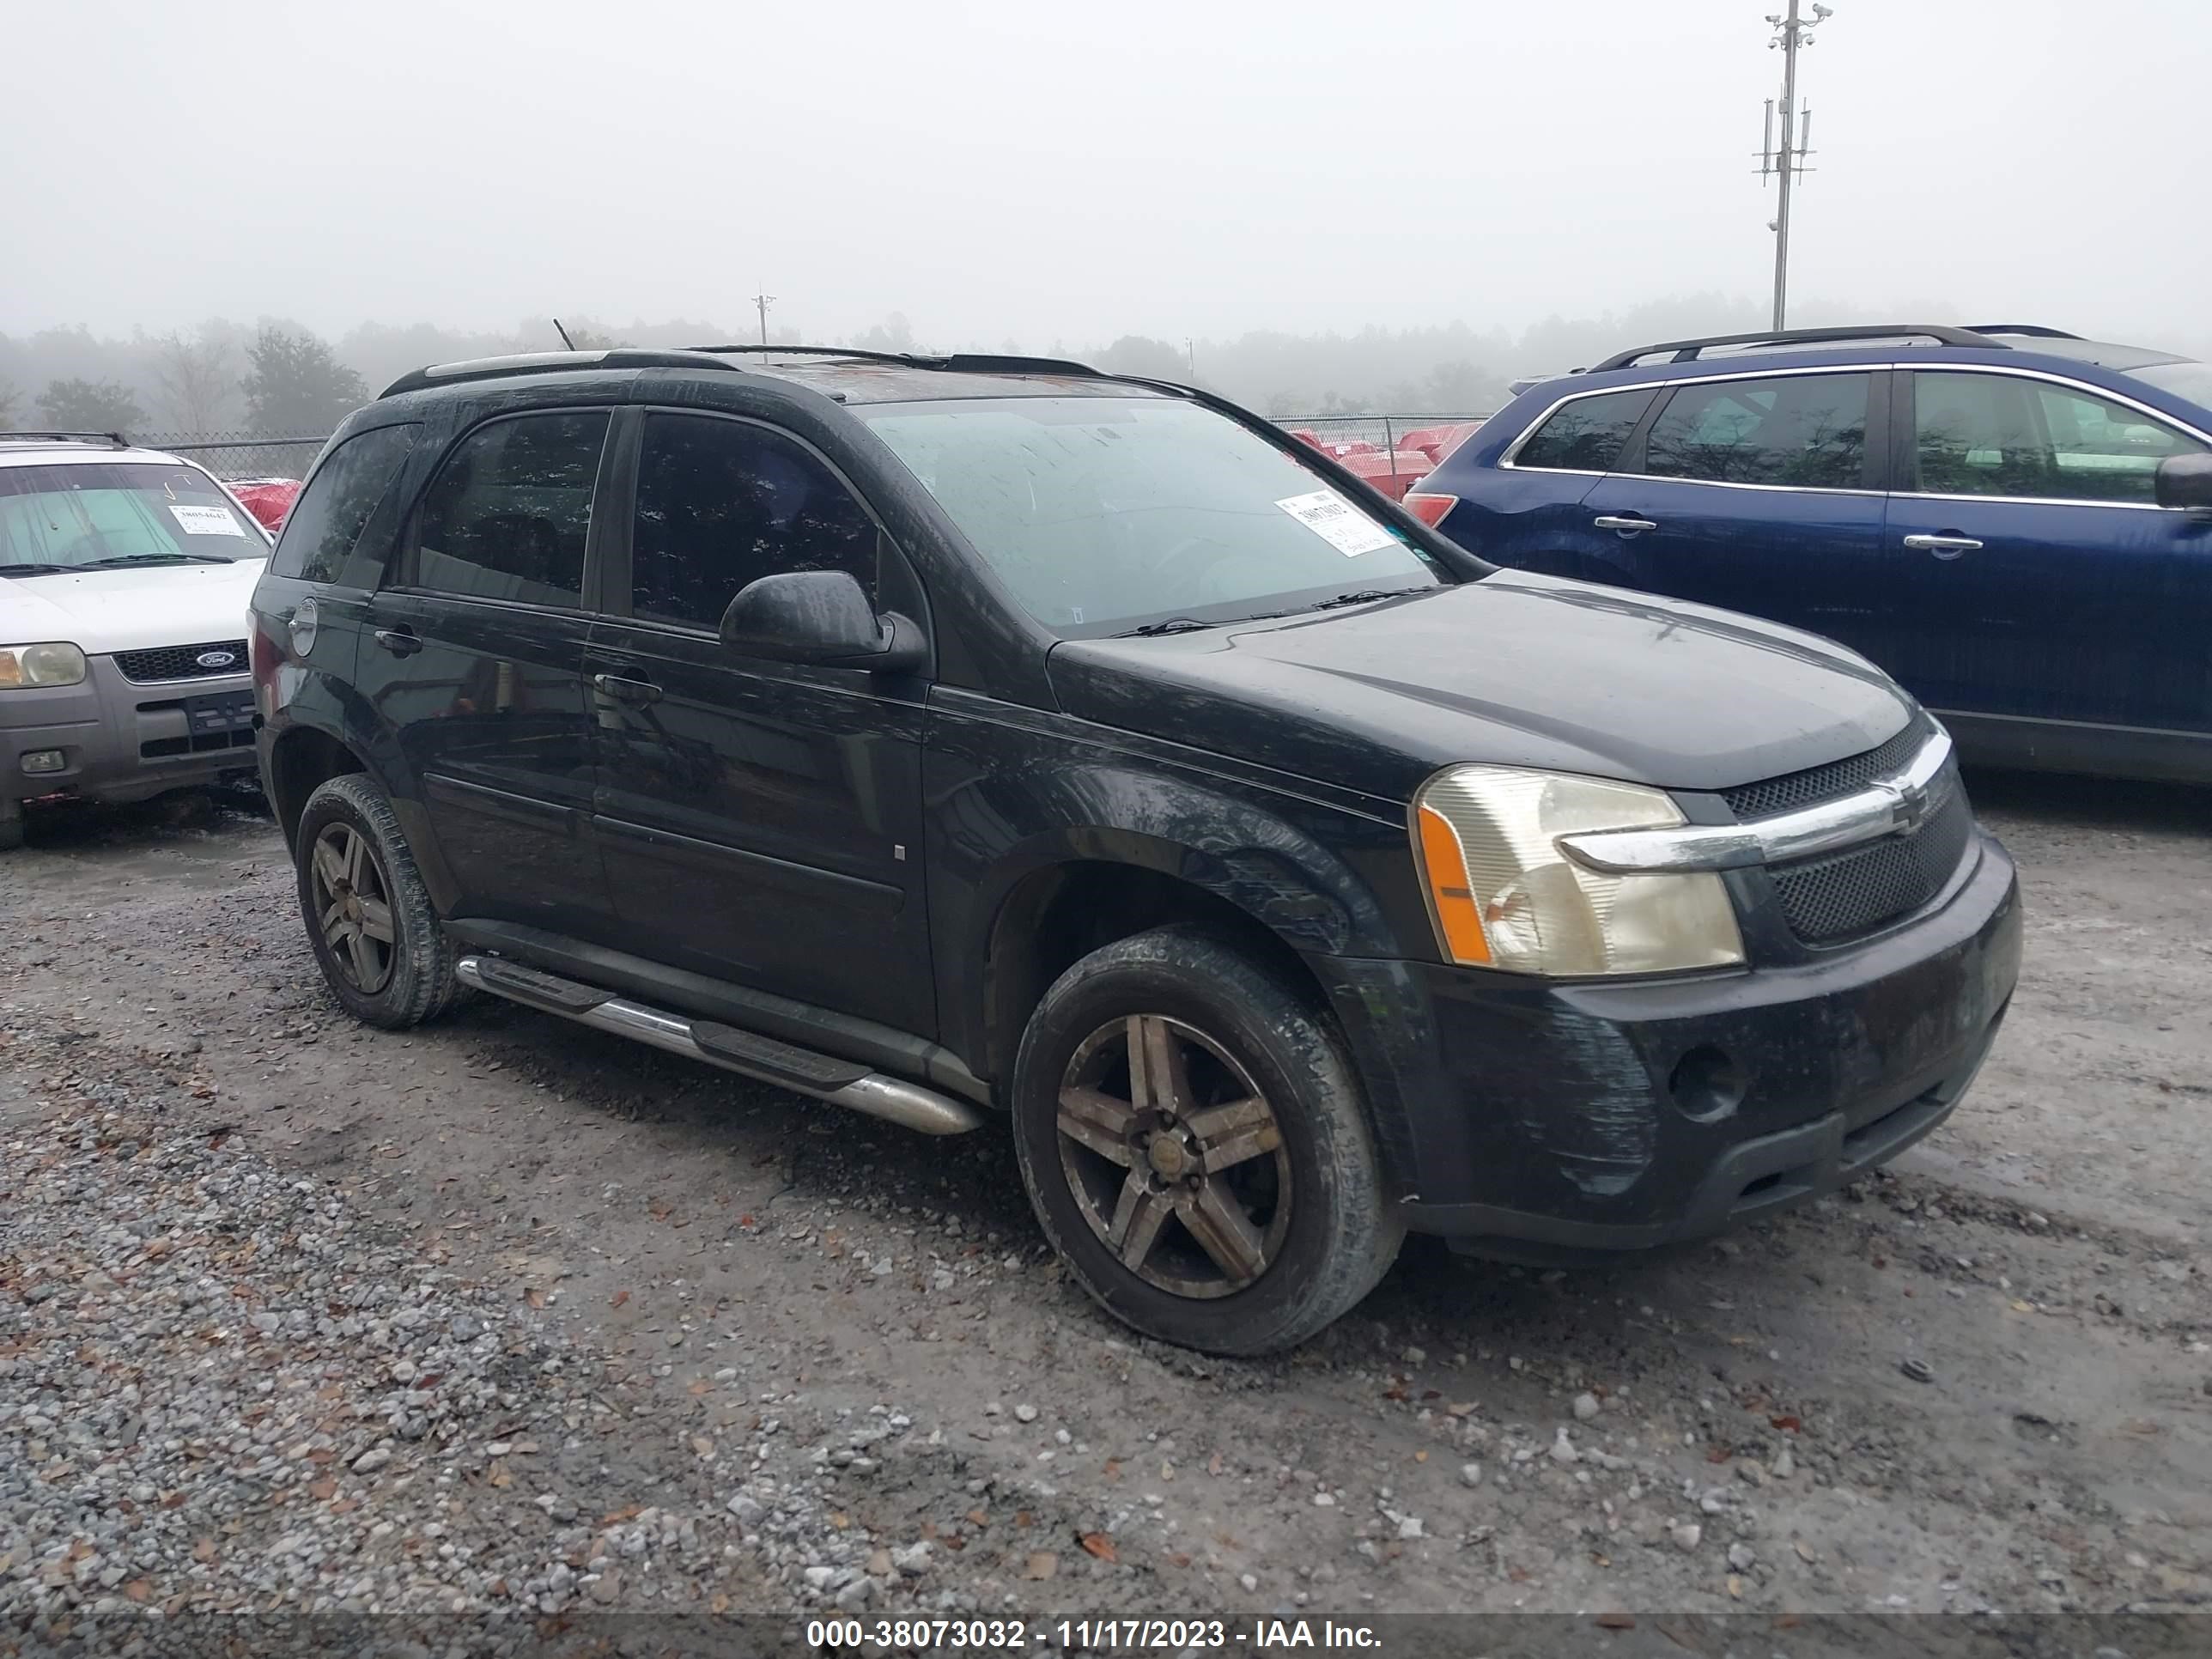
1194	1145
369	918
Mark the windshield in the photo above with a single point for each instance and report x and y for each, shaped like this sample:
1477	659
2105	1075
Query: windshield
107	514
1106	514
2190	380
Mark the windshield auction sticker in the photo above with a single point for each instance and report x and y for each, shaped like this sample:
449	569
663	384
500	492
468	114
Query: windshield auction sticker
205	521
1337	522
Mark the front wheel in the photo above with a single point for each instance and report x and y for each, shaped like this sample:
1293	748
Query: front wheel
1193	1142
369	918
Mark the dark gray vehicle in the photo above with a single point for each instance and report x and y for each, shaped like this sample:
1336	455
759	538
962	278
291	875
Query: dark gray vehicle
992	743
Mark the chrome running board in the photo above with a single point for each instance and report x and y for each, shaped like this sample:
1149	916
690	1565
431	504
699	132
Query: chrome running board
841	1082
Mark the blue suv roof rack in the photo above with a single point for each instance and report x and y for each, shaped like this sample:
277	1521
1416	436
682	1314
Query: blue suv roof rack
2031	330
1687	351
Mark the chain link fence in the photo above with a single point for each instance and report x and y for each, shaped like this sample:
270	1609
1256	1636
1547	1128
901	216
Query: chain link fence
1391	451
1384	431
232	456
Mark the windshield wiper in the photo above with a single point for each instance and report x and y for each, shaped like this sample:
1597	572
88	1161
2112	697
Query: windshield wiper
36	570
1172	625
1366	597
157	558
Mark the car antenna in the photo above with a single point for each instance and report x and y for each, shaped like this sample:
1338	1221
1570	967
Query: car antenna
563	333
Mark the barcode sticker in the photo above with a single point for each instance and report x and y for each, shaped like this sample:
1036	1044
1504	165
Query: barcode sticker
195	520
1337	522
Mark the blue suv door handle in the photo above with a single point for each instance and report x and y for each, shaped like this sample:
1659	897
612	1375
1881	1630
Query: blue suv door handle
1943	547
1627	526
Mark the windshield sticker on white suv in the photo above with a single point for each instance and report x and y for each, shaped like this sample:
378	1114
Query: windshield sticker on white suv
206	521
1337	522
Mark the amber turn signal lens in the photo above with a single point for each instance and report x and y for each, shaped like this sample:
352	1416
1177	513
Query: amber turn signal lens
1452	895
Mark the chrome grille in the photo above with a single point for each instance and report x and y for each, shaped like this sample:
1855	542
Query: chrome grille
1843	896
181	662
1838	778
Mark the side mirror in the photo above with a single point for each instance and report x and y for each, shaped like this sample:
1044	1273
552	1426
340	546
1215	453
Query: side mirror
822	618
2185	481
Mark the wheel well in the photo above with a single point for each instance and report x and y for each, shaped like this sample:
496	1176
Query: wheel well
1055	917
302	761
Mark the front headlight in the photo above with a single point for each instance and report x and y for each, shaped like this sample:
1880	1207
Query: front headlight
1503	894
40	665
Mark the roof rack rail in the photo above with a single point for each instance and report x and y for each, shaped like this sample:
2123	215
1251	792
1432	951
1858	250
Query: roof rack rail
112	440
957	362
552	362
2033	330
1687	351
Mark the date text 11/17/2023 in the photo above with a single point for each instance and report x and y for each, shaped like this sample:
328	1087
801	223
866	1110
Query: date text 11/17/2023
1092	1635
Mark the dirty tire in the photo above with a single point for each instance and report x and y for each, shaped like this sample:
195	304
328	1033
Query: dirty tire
419	984
1342	1232
11	832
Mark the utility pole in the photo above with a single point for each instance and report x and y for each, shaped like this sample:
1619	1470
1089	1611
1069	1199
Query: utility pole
1190	356
1787	159
760	303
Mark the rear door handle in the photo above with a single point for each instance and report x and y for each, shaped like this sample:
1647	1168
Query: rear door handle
399	642
1944	547
1613	521
625	687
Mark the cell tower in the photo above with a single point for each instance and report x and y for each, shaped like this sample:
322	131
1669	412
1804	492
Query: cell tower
1785	161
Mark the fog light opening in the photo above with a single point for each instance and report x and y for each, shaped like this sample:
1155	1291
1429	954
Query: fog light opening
37	762
1707	1084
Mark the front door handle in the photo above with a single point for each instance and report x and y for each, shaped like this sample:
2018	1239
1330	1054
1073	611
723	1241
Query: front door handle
1943	547
1613	521
625	687
399	642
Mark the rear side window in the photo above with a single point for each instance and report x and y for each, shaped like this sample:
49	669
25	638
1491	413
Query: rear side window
509	515
721	503
1586	434
1803	431
327	521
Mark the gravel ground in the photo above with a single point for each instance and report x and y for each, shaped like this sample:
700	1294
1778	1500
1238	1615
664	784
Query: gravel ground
510	1318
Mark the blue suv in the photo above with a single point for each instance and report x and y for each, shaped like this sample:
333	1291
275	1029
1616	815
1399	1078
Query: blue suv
2016	523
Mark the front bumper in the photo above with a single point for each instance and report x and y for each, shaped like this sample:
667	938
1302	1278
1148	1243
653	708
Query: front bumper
122	739
1548	1122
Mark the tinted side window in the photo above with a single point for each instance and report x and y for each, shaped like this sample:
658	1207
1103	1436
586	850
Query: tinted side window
721	503
509	513
2102	451
1808	431
1978	435
327	520
1587	434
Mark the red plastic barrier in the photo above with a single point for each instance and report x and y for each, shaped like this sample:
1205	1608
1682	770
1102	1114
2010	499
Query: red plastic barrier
269	500
1437	441
1393	474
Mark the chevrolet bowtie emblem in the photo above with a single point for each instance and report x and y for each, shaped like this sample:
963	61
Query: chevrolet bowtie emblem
1908	808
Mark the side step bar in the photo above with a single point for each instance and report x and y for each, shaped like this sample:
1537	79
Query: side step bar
840	1082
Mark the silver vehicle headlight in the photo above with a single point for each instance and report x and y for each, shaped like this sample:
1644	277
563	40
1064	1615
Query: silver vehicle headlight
1504	894
57	664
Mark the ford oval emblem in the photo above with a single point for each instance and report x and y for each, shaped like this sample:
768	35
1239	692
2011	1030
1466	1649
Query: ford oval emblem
216	658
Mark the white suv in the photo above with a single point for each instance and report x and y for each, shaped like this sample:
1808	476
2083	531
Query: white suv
125	576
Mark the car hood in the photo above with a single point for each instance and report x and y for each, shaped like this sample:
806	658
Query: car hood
124	609
1516	670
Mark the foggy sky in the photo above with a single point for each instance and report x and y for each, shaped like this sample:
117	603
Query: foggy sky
1063	171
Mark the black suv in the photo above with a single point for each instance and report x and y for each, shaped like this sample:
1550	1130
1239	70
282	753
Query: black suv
973	739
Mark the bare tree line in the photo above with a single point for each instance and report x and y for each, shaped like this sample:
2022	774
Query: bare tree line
225	376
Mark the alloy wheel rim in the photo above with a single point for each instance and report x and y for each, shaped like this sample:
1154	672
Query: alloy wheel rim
353	906
1174	1156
